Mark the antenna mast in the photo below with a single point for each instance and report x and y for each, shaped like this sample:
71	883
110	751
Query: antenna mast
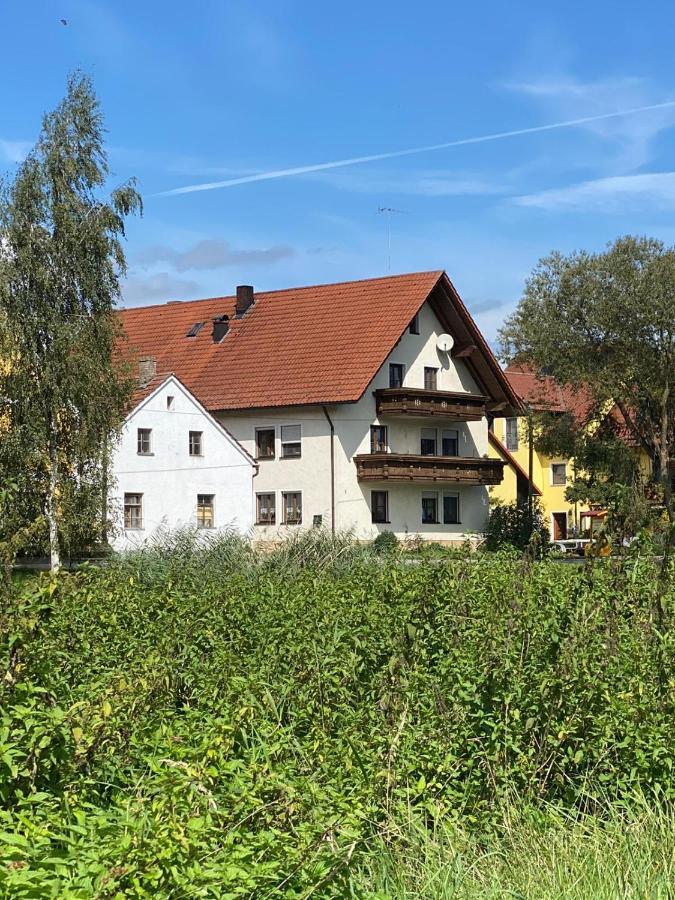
387	211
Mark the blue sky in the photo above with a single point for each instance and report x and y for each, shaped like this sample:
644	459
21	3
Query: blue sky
208	91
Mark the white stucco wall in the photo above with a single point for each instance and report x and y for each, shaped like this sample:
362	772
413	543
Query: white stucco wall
170	479
310	474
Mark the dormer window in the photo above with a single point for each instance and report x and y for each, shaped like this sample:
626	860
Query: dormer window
195	329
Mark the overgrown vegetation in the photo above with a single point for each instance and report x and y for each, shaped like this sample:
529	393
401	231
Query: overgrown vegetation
514	525
219	723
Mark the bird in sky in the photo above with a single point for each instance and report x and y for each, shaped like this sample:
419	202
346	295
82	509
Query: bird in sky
64	21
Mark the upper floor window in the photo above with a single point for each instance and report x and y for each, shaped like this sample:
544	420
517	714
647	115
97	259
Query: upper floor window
379	506
428	442
378	438
292	501
511	434
430	378
143	441
196	443
290	441
265	509
429	508
396	373
133	511
264	443
558	473
204	510
414	327
450	442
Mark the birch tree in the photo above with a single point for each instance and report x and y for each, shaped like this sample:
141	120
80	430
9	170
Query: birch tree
60	266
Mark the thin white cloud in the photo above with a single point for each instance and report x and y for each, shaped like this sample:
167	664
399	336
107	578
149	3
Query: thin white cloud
336	164
424	183
632	136
653	190
14	151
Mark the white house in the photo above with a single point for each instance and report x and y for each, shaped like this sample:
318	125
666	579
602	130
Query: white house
175	465
364	404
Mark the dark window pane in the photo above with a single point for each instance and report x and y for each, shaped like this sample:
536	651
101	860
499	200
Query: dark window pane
451	509
379	506
395	375
265	513
430	378
264	443
429	510
450	443
378	438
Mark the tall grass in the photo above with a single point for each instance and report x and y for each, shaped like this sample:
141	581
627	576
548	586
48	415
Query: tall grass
625	850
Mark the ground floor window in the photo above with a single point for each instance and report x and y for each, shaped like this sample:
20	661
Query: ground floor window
133	510
265	509
204	510
379	506
451	509
429	508
292	508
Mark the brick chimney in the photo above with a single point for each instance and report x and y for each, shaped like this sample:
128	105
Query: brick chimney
221	325
147	369
245	298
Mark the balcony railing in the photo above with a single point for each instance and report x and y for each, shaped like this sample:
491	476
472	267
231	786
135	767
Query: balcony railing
407	467
423	403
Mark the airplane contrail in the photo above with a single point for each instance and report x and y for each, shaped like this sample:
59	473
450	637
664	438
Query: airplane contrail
355	160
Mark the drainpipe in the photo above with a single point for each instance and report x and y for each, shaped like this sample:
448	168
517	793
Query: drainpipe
332	469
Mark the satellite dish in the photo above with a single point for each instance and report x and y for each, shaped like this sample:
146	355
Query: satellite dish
445	343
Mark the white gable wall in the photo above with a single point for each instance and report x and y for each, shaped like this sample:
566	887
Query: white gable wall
170	479
310	474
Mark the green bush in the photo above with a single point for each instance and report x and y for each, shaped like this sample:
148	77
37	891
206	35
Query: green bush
512	525
214	722
385	542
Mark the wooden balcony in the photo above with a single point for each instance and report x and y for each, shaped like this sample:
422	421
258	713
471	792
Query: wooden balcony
407	467
422	403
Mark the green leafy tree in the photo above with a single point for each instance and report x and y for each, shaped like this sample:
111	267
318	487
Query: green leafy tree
606	322
61	260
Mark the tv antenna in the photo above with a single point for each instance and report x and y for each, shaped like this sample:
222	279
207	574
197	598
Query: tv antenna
388	211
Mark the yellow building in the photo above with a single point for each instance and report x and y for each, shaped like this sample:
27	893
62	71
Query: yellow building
509	441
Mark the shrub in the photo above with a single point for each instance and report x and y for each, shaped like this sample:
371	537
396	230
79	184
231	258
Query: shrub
385	542
510	524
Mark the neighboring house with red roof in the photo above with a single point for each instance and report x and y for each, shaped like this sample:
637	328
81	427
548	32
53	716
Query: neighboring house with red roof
365	404
176	465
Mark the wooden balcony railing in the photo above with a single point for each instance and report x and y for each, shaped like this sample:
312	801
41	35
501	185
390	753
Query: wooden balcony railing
407	467
423	403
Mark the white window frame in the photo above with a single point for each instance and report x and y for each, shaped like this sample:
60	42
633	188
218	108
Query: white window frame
427	495
213	512
446	431
285	443
284	520
147	452
555	483
506	433
139	506
192	431
424	428
259	494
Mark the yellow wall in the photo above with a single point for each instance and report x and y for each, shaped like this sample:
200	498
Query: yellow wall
552	496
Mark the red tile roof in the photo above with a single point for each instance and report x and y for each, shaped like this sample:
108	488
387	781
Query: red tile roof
544	394
307	345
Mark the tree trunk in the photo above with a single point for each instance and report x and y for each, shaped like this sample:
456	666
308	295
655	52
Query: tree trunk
52	519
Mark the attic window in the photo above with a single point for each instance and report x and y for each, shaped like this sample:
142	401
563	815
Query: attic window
196	328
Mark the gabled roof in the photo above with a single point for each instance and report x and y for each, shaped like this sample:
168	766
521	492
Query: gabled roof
307	345
509	458
146	394
544	394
